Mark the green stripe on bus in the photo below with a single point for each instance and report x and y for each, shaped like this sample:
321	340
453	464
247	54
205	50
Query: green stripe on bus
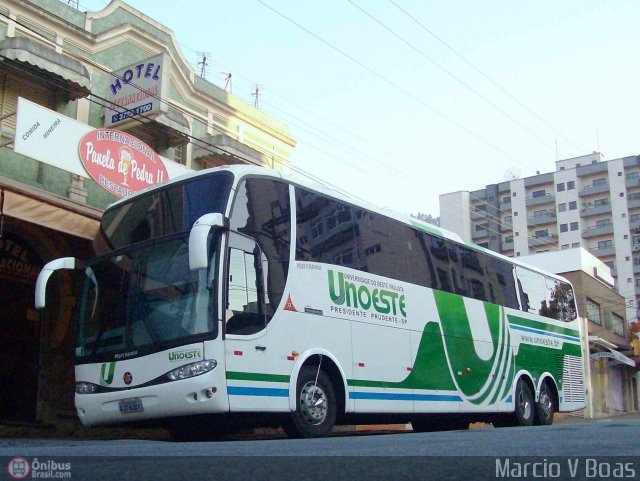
543	326
257	376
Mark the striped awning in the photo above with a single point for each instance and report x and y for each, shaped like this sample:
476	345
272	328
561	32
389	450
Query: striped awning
69	72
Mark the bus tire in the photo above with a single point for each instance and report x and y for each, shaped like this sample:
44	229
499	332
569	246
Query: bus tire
316	406
546	405
525	410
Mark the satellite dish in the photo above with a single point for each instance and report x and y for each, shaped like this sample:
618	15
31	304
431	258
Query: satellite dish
512	173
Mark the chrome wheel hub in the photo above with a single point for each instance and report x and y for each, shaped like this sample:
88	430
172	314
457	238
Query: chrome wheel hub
313	403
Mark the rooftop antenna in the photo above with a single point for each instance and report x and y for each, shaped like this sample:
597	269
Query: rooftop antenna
256	94
512	173
203	63
228	85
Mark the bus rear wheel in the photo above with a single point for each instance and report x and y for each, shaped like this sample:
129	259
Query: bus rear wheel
545	407
524	414
316	406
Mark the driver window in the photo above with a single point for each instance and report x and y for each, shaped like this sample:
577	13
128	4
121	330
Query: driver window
245	308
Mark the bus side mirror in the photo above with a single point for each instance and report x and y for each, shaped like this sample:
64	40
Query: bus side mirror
45	273
198	237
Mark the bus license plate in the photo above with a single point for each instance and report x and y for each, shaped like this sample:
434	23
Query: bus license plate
133	405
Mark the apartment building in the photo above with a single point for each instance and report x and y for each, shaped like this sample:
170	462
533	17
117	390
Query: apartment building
586	202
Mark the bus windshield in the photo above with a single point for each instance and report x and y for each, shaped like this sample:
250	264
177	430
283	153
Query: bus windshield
142	300
139	295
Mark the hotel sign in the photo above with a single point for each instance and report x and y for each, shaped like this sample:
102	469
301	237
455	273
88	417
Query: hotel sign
135	90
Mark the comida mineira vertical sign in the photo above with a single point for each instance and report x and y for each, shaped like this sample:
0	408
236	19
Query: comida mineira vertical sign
135	90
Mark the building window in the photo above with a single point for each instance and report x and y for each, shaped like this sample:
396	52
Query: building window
575	244
574	226
593	311
602	181
560	187
573	205
618	324
601	202
605	244
562	207
542	233
632	175
634	196
506	200
372	250
507	219
603	222
571	185
564	228
12	87
564	246
538	193
539	213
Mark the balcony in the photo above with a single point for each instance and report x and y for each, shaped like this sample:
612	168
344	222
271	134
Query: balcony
590	210
594	189
506	245
478	214
634	226
539	200
543	241
479	234
636	268
603	251
632	181
598	230
633	203
546	218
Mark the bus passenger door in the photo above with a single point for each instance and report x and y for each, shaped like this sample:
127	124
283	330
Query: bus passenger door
246	346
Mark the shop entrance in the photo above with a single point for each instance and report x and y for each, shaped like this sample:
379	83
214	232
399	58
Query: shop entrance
19	331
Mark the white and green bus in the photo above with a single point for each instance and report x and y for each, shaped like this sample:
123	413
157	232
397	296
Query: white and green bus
238	294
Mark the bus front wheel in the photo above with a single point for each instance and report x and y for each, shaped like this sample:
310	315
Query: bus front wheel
316	406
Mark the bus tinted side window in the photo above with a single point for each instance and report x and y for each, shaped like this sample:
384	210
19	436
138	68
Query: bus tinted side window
261	211
325	230
384	246
545	296
502	288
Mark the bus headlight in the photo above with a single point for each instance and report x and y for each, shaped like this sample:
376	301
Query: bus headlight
191	370
86	387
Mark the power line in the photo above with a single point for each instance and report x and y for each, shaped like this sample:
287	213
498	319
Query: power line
452	75
392	84
478	70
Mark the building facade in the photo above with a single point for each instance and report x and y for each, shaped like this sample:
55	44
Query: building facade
586	203
611	374
67	76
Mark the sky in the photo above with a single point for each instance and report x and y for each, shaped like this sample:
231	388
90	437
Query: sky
400	101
